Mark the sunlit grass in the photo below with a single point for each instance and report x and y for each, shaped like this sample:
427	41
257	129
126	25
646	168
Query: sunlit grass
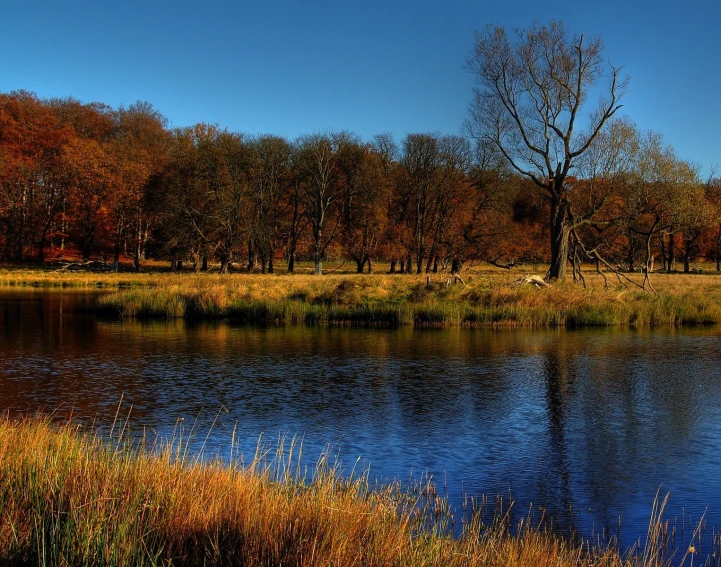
69	498
486	300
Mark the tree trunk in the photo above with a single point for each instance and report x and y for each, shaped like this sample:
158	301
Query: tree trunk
359	265
670	255
318	251
455	266
271	255
559	240
370	265
687	258
393	267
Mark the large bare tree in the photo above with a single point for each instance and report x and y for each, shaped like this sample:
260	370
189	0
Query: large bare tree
531	102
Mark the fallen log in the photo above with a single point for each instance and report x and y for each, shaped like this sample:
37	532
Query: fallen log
534	280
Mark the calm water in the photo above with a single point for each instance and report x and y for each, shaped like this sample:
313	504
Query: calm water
587	424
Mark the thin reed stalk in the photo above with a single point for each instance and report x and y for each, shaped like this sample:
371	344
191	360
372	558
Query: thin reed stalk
68	497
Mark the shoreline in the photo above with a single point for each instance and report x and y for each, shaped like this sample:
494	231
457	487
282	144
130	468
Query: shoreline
70	497
482	300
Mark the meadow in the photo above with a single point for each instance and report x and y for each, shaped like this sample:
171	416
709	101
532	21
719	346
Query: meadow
484	298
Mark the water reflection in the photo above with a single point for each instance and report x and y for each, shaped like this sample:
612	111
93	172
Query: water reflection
586	424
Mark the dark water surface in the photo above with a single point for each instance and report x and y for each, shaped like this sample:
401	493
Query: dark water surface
586	424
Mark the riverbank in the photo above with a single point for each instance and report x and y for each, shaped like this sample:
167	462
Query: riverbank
489	300
70	498
482	299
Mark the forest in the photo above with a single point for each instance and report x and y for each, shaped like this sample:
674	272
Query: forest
90	181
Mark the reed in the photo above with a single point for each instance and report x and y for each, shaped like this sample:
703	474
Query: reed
486	300
71	498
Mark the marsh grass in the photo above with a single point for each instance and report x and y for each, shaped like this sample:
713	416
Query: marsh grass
70	498
488	300
382	300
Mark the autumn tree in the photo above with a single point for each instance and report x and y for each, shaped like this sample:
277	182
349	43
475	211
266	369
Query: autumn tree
455	203
713	196
419	196
319	188
31	192
497	220
656	194
530	102
182	208
140	150
90	173
365	202
271	186
226	173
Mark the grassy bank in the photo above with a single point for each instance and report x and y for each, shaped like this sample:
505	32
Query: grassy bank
71	499
487	300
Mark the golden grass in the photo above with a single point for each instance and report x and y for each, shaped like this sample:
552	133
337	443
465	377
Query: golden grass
487	300
70	499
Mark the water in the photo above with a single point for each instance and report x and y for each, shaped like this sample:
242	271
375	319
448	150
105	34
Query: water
587	425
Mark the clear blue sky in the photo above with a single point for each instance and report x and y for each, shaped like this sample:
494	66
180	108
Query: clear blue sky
291	68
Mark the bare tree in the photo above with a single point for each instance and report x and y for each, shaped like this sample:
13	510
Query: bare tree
530	101
320	190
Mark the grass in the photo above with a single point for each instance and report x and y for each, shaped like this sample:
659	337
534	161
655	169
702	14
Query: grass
382	300
488	300
69	498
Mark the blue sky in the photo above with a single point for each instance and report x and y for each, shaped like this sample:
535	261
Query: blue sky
292	68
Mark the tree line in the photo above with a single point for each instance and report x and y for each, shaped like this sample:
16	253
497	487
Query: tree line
533	179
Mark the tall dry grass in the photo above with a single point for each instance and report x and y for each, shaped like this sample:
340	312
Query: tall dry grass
486	300
68	498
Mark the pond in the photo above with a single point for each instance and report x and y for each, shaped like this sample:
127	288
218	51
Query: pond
586	425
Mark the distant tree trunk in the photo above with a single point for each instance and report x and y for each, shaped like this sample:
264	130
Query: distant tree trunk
670	254
251	256
393	267
318	250
271	255
455	266
370	265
